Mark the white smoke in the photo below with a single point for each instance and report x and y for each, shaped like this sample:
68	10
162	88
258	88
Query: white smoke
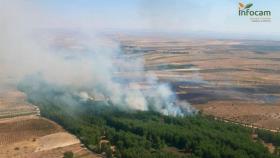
93	67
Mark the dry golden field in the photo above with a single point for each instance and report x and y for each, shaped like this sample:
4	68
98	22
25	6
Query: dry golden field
238	80
24	134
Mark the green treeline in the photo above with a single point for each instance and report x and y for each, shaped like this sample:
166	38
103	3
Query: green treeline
136	134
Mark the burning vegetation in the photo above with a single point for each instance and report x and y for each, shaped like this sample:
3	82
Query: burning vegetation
115	132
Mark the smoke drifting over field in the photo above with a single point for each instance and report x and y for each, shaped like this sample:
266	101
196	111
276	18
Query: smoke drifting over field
83	66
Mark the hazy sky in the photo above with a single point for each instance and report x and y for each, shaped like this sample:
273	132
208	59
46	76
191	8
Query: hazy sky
160	15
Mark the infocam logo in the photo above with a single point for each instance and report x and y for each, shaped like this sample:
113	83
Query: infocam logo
255	15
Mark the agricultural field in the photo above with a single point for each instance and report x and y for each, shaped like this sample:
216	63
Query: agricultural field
24	133
236	80
12	104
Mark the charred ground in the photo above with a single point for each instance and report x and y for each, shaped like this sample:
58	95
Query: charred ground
231	79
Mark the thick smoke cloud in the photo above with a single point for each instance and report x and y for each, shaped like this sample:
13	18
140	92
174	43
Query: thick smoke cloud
81	64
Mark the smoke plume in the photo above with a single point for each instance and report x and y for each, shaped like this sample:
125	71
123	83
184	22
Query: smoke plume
83	65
